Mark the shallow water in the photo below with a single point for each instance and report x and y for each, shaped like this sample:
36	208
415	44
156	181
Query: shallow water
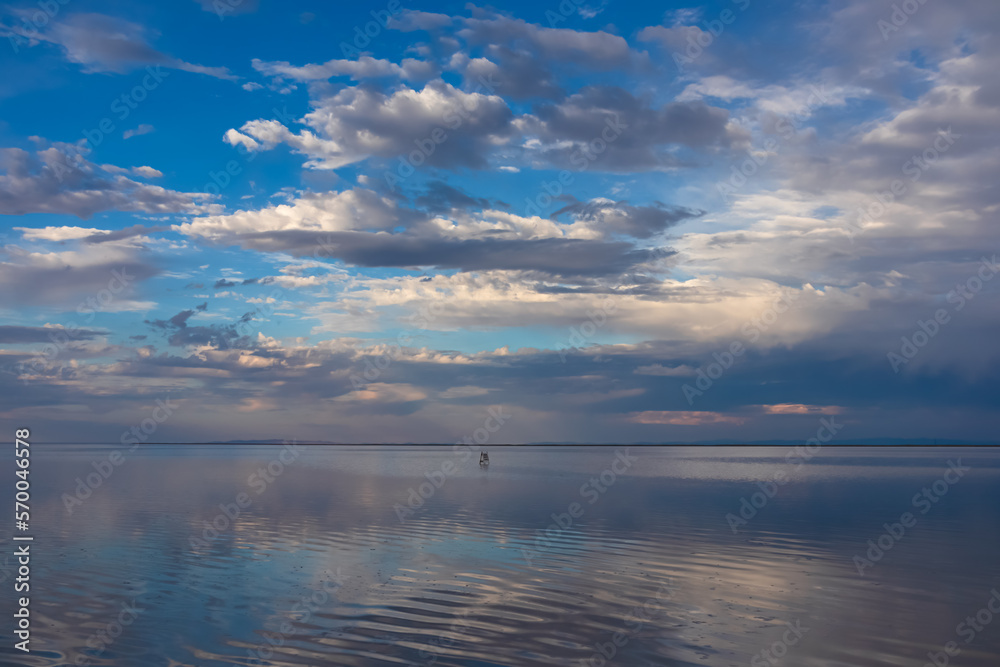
327	565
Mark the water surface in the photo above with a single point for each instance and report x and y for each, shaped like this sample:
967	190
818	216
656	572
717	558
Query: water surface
374	556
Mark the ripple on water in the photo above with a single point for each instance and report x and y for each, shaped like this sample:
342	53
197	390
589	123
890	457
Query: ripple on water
319	570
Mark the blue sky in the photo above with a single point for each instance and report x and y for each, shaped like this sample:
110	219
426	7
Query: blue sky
620	222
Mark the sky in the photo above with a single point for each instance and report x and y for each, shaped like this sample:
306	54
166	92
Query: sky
552	222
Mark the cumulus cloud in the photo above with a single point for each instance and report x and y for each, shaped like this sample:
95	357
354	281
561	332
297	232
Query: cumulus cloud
592	50
67	279
517	74
351	210
363	228
102	43
59	179
599	128
357	123
609	129
66	233
147	172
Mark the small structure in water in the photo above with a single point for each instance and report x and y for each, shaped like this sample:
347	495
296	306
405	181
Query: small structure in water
484	459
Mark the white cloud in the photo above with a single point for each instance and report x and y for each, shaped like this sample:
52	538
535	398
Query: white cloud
58	233
356	123
142	129
148	172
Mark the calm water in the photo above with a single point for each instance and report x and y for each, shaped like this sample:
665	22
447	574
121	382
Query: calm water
325	565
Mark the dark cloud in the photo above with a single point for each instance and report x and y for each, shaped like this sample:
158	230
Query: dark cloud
59	179
202	307
30	281
599	50
440	124
607	128
222	282
178	321
399	236
554	256
598	128
220	336
518	74
639	222
12	334
441	197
